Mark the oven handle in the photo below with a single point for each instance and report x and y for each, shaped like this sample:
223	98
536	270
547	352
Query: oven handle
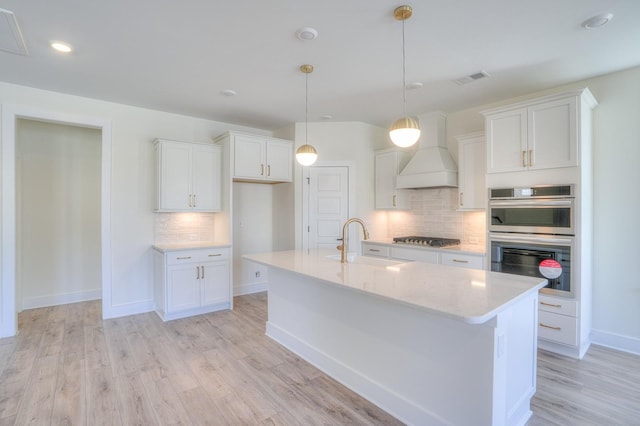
529	203
530	239
543	254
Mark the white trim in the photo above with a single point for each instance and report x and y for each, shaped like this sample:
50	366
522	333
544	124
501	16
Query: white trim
10	113
350	165
249	288
61	299
616	341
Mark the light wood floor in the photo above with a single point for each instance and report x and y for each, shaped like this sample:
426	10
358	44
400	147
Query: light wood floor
67	366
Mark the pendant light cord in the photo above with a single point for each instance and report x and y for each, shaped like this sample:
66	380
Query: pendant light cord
404	74
306	109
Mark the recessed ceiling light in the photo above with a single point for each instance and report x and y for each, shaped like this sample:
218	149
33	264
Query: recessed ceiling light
414	85
306	33
61	46
228	92
597	21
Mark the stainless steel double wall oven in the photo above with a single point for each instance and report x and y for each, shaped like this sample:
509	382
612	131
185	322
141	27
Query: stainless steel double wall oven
531	232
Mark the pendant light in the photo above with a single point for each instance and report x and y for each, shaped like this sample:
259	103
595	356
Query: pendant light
404	131
306	154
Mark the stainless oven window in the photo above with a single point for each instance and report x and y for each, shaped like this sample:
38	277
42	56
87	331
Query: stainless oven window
555	217
531	259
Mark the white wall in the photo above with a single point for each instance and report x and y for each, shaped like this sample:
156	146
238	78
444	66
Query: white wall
132	185
616	126
58	213
347	141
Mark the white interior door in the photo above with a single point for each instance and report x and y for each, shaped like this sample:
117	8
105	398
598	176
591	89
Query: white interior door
328	205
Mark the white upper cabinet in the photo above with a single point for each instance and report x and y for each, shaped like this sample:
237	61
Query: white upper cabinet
388	163
261	159
188	176
534	135
472	167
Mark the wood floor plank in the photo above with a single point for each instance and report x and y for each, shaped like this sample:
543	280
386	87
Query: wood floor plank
69	401
14	379
96	351
135	408
37	404
102	400
164	399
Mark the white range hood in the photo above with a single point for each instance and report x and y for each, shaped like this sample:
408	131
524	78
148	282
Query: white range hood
431	166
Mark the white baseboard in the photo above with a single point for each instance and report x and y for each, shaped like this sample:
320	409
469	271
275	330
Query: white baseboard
132	308
61	299
616	341
249	288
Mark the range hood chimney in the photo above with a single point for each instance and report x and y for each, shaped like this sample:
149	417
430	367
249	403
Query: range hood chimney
431	166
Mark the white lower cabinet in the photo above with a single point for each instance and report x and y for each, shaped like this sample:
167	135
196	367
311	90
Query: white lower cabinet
417	255
191	282
427	255
463	260
557	320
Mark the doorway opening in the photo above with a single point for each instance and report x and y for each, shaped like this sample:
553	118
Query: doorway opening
57	214
31	226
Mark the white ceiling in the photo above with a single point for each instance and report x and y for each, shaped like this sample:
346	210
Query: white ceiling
178	56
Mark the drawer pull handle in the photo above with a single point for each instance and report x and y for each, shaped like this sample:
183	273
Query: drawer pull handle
183	257
375	250
460	261
215	255
553	305
550	326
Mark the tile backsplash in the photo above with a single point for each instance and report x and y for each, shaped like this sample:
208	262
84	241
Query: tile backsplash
433	213
179	228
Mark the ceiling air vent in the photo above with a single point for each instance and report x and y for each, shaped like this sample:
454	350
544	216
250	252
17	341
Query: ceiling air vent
472	77
10	35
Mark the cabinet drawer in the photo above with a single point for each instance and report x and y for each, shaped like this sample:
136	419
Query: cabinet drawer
463	260
414	254
558	328
374	250
558	305
198	256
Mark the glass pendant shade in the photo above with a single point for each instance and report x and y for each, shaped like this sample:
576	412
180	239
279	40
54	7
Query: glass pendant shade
306	155
405	131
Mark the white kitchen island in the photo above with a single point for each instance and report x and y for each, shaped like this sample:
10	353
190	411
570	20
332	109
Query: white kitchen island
430	344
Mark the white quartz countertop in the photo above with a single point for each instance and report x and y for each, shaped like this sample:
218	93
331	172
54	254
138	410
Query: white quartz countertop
193	245
470	295
461	248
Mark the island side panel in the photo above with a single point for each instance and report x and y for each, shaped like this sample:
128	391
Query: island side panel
420	367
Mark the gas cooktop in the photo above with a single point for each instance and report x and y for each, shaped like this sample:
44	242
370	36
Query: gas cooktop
427	241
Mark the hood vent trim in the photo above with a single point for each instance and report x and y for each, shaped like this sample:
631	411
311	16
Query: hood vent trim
431	166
